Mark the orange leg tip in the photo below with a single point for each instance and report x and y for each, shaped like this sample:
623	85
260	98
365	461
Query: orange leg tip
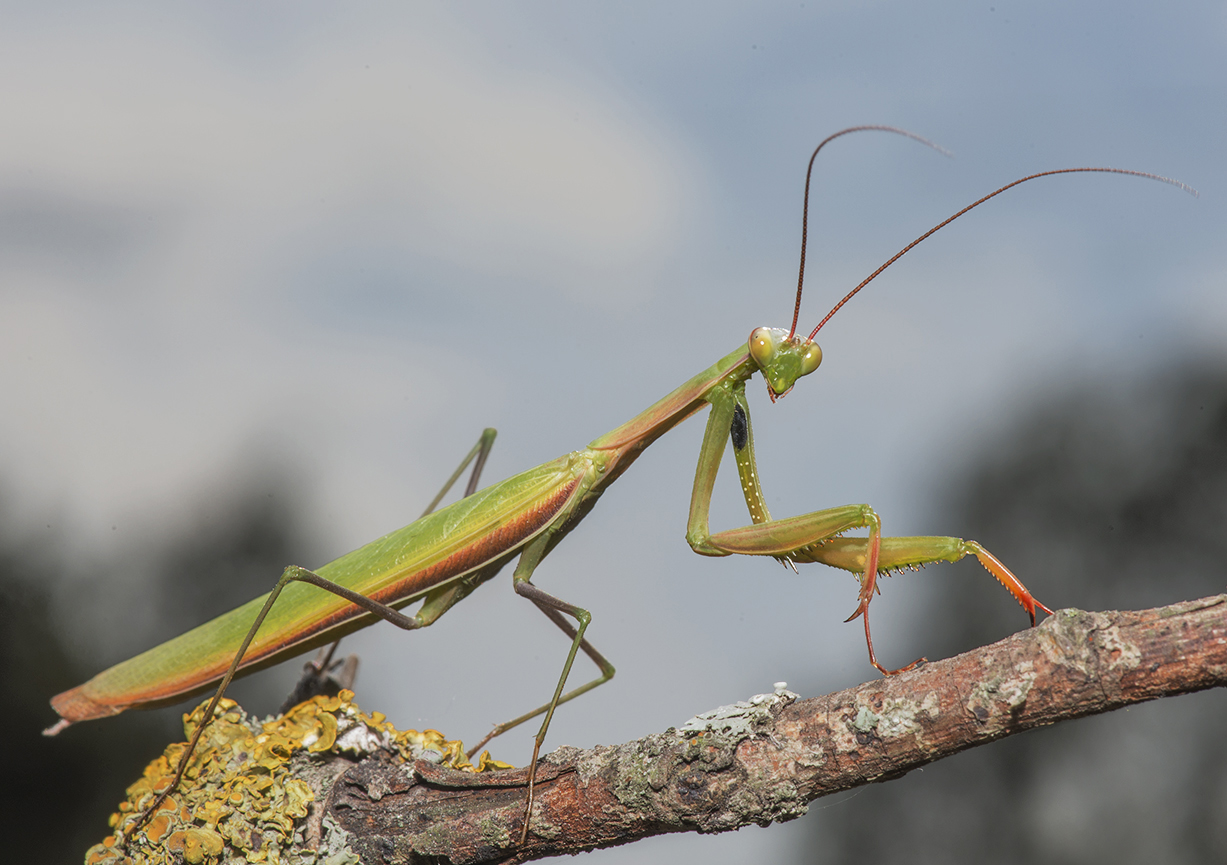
1029	604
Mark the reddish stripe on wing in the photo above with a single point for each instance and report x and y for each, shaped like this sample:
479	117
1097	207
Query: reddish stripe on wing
87	701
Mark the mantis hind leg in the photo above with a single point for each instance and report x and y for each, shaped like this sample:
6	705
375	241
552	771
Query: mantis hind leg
434	605
294	574
317	674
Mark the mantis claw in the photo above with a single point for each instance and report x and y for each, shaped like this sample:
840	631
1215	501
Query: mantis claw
860	610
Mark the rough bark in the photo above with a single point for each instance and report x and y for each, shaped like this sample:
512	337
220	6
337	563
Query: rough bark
766	759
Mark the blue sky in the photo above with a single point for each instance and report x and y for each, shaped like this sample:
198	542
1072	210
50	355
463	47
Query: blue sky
343	240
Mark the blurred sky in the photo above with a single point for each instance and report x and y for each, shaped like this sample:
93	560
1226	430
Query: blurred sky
340	240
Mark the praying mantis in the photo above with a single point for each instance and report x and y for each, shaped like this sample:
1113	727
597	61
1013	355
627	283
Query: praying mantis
442	557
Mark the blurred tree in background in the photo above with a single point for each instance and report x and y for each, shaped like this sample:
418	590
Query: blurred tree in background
1110	496
65	788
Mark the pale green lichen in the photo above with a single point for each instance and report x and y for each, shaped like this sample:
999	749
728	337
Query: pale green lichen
1122	652
334	846
239	802
865	721
886	718
900	716
1010	690
741	720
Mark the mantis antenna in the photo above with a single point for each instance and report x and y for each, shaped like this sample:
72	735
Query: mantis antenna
974	204
796	312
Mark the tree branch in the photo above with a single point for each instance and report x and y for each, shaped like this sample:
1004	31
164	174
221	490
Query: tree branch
766	759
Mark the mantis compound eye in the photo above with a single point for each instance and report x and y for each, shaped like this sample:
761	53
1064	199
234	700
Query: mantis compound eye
810	358
764	343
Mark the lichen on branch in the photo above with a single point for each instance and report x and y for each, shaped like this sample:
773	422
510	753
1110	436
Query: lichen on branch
759	761
251	785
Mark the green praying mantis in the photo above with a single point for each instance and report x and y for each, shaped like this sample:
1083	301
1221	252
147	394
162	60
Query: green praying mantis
446	554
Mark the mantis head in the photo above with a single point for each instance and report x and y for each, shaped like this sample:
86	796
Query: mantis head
782	358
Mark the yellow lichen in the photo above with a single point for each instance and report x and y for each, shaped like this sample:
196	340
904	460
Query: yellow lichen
157	827
238	801
195	845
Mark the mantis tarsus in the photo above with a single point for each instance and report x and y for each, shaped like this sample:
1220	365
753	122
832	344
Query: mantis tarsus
446	554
